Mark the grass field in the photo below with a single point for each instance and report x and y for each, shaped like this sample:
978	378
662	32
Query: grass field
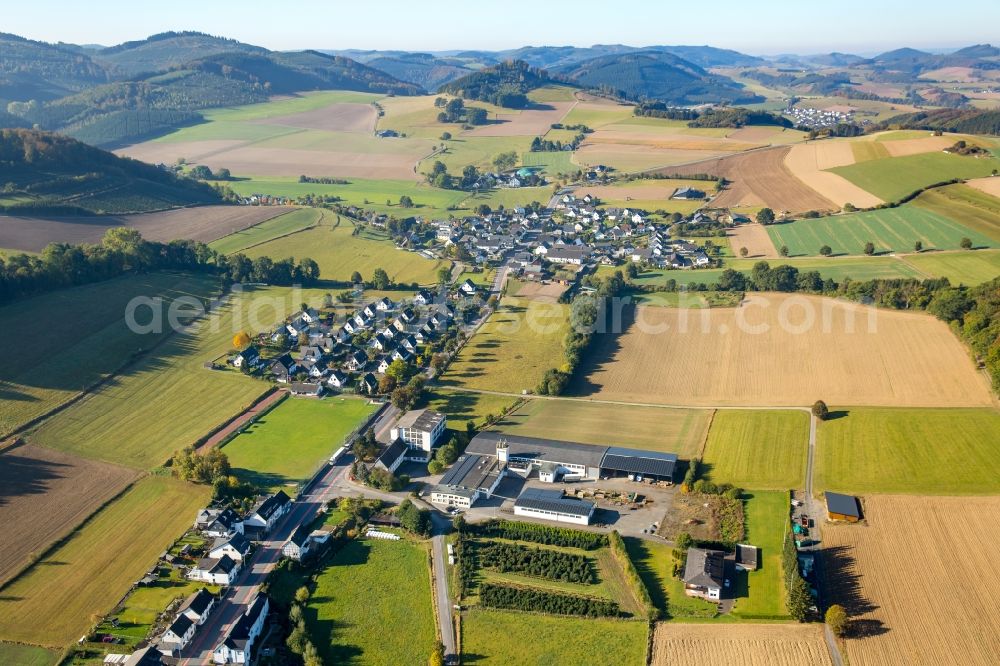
922	451
286	445
52	603
488	637
680	431
515	198
513	349
748	644
968	206
968	268
766	522
373	604
553	163
34	383
893	178
754	355
757	449
27	655
297	220
339	254
689	299
891	230
921	610
462	407
169	400
654	561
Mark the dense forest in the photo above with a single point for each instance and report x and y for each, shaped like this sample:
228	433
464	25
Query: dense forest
963	121
506	84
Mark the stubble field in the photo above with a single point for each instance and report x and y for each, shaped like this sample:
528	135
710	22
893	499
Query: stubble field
747	644
918	581
810	161
780	350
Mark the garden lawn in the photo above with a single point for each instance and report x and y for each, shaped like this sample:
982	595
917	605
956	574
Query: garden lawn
287	444
339	253
893	178
920	451
372	605
757	448
297	220
97	342
53	602
766	523
969	268
513	349
890	230
655	561
507	638
169	400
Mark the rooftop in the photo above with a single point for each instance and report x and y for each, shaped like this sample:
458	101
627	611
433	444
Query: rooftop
846	505
535	448
472	472
420	419
553	500
704	568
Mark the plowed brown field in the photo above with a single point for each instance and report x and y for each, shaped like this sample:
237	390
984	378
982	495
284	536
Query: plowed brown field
783	350
739	644
44	494
760	178
919	581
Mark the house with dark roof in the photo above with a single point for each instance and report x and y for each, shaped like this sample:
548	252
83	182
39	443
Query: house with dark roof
266	514
551	505
198	606
688	193
221	571
300	545
368	384
842	507
392	456
178	635
248	358
704	573
283	368
218	522
236	547
236	646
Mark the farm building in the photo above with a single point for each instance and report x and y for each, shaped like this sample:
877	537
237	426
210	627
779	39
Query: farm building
469	479
842	507
687	193
569	460
704	573
551	505
420	430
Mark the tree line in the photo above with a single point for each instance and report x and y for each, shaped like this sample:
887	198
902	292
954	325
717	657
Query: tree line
493	595
543	534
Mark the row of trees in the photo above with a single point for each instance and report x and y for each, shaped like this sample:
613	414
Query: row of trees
543	534
493	595
797	589
299	642
540	145
635	581
414	519
548	564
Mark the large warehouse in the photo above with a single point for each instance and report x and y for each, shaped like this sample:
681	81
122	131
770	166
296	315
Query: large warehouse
555	459
551	505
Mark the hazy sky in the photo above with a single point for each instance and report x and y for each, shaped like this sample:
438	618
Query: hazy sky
754	26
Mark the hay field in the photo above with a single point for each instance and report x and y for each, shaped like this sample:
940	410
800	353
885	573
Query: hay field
989	185
633	158
680	431
513	349
533	121
969	268
201	223
893	178
760	178
53	602
755	355
761	449
809	161
754	238
744	644
44	494
935	603
927	144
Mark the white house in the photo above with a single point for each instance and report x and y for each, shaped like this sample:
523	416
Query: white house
337	379
420	429
468	288
218	522
249	358
266	514
223	571
303	542
704	573
178	634
237	646
383	304
237	547
198	606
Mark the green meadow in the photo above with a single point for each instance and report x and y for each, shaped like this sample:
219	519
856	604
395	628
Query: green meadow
893	178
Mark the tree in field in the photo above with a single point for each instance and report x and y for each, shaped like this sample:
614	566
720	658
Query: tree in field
826	250
744	252
444	275
446	136
505	161
849	208
765	216
869	248
820	410
783	251
223	174
631	272
836	617
356	278
965	243
405	201
380	279
918	247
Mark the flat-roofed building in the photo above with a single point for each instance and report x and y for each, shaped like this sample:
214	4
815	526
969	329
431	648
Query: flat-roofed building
420	430
471	477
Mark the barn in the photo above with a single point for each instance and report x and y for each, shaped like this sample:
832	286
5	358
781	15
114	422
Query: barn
843	507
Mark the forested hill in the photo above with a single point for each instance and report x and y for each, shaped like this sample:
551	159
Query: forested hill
654	75
168	50
50	174
506	84
962	121
36	70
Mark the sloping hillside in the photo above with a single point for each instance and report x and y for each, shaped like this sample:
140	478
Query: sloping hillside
49	174
36	70
167	50
506	84
420	69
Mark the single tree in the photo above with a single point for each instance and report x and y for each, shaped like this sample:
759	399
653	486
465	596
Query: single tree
765	216
820	410
918	247
446	136
380	279
836	617
869	248
744	252
405	201
444	275
965	243
826	250
784	250
356	278
849	208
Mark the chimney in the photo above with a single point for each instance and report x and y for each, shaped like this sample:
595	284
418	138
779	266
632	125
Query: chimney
502	451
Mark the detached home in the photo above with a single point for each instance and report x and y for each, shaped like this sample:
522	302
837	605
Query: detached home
237	646
222	571
704	573
266	514
236	547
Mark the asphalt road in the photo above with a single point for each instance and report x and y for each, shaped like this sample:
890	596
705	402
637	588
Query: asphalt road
441	596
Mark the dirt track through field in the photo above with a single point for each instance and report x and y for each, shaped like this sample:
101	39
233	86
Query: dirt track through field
202	223
45	494
808	162
759	178
745	644
780	349
920	581
754	238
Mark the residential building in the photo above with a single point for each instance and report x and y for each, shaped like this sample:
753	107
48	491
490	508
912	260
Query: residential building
178	635
221	571
392	456
551	505
237	646
704	573
266	514
198	606
218	522
236	547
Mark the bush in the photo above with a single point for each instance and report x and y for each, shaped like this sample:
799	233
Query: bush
820	410
836	617
543	534
632	575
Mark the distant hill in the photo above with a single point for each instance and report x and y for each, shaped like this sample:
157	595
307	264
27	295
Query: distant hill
963	121
36	70
836	60
421	69
506	84
978	51
168	50
49	174
709	56
654	75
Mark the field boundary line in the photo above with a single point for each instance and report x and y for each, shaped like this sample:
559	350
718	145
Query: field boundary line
224	437
312	226
708	430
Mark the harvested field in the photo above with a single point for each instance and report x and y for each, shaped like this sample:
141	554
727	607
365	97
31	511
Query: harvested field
927	144
535	121
346	117
755	355
754	238
922	609
760	178
44	494
989	185
640	158
749	644
809	161
202	223
536	291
